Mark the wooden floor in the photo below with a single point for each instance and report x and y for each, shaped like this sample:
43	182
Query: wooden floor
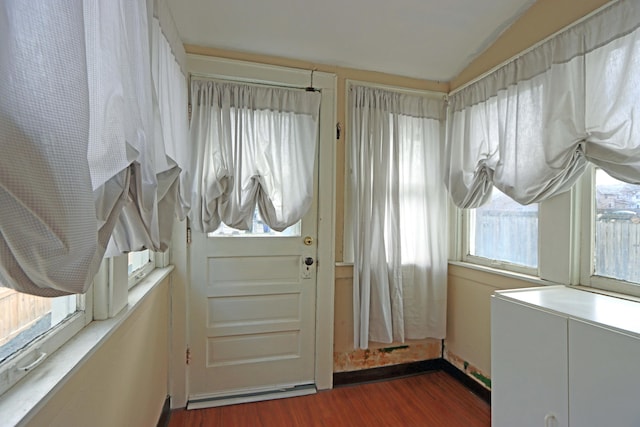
433	399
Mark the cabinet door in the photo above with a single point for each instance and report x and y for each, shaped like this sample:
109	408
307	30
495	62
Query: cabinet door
528	366
604	379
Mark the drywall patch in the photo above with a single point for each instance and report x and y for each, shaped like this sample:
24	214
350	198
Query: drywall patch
384	356
469	370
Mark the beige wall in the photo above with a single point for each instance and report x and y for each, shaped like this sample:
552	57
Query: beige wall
124	383
468	342
346	358
544	18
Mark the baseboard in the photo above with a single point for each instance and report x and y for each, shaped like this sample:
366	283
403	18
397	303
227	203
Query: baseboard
165	415
386	372
469	382
407	369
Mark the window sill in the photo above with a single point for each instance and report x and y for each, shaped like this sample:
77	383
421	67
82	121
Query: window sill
504	273
26	397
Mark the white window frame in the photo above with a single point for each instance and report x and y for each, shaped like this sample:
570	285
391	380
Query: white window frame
467	216
558	242
587	243
107	296
23	361
137	275
566	242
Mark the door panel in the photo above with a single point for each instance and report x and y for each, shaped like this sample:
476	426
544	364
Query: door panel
232	273
604	382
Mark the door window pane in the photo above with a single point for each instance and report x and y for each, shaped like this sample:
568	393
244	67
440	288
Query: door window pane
504	230
258	228
617	229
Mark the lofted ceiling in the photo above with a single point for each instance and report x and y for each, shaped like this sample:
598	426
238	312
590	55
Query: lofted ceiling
426	39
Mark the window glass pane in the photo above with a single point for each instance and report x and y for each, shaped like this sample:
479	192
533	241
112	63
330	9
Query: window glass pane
505	230
617	229
258	228
138	260
25	317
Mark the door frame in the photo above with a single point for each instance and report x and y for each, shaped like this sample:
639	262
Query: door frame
249	72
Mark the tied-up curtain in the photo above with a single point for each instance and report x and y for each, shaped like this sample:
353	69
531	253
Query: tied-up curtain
121	151
142	68
168	60
251	144
531	127
48	228
399	216
83	131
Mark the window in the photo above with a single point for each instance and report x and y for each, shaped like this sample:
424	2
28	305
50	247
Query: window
33	327
611	237
139	265
503	234
589	235
26	317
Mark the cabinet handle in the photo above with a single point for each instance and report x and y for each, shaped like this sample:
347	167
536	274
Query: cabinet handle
550	420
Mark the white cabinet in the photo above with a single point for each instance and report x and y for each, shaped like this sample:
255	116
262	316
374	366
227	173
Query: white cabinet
563	357
529	354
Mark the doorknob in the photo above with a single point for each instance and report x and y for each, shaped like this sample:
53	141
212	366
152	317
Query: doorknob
308	261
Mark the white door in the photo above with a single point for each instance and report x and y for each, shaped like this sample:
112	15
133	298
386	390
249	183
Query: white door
252	308
258	322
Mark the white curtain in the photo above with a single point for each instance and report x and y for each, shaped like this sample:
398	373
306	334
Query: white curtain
140	67
48	227
251	145
83	140
531	127
168	61
399	216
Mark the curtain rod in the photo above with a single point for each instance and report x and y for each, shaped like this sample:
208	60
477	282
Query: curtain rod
535	46
247	81
418	92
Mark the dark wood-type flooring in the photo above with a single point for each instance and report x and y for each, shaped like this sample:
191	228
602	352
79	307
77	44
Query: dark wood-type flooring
432	399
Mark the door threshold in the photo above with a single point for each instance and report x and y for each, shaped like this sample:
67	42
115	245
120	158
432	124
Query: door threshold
280	393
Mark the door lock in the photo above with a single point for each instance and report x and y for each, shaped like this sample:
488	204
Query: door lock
306	268
308	240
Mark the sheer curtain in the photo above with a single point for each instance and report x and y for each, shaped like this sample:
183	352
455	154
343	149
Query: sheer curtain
398	213
83	140
531	127
48	228
251	145
151	82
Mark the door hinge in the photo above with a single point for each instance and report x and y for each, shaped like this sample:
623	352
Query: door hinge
338	130
188	235
189	110
188	356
